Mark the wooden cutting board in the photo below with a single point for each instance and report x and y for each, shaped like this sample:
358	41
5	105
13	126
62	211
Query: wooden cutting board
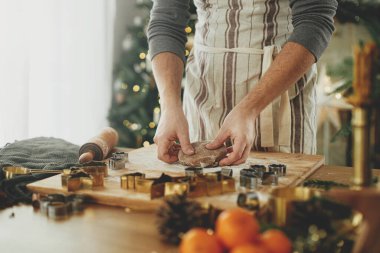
299	167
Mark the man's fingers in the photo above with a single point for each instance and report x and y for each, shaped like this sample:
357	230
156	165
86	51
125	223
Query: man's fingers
186	146
174	149
163	151
237	153
244	156
219	140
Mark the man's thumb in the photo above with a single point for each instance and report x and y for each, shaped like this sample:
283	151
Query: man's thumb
218	142
186	146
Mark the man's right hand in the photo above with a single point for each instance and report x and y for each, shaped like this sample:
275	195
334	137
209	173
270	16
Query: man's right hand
172	127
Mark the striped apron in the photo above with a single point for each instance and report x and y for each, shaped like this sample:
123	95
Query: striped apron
234	44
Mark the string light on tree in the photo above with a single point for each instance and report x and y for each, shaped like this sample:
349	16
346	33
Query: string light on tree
126	123
136	88
338	96
156	114
142	56
188	29
134	127
146	144
124	86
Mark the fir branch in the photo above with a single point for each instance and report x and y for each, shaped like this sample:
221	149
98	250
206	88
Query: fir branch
323	184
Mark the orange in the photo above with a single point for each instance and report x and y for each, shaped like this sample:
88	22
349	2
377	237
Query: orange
248	248
236	227
197	240
276	241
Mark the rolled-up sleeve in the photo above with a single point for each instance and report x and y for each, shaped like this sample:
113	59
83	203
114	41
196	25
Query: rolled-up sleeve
166	29
313	24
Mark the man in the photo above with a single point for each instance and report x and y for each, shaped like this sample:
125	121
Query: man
250	77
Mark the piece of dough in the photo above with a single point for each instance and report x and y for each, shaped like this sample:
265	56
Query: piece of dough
202	157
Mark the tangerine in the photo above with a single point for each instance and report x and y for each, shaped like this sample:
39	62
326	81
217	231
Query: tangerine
236	227
275	241
197	240
248	248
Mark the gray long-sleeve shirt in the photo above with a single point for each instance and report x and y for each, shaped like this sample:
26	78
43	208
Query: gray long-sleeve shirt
312	21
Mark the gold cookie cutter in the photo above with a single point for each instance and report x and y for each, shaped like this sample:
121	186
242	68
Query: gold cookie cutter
77	178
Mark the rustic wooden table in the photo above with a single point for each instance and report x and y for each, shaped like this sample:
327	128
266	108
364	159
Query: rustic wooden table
99	228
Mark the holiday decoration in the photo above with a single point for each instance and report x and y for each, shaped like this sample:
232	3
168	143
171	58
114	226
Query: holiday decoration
178	215
313	224
362	78
135	105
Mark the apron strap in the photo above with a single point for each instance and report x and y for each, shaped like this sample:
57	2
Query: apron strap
284	112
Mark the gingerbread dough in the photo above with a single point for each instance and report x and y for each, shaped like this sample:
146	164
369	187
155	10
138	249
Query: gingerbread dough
202	157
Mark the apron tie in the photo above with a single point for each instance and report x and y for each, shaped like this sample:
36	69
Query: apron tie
266	116
284	112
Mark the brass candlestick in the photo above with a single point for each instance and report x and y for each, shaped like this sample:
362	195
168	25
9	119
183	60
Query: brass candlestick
364	59
361	117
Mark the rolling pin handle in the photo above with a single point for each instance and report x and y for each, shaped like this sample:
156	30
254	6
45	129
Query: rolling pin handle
86	157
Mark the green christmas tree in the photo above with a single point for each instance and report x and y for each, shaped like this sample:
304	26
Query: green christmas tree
135	108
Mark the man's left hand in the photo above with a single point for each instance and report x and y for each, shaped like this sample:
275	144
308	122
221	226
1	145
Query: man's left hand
239	127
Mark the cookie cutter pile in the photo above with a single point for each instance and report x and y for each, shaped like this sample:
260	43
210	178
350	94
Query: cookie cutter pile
59	206
252	177
195	183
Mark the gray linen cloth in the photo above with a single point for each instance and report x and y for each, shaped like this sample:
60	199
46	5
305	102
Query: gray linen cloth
36	153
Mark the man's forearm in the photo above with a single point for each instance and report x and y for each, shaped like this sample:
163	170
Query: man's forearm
168	70
289	65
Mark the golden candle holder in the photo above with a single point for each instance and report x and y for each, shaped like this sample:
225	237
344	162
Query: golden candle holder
365	57
281	201
361	130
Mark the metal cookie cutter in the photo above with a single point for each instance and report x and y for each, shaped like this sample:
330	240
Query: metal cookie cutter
128	181
249	200
94	167
116	163
251	181
279	169
58	210
258	169
227	172
76	203
76	179
121	155
117	160
269	178
59	206
193	171
249	178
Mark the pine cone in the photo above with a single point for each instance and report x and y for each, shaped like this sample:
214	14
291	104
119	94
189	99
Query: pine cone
178	215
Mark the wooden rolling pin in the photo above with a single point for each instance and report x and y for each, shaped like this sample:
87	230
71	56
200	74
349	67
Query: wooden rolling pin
98	147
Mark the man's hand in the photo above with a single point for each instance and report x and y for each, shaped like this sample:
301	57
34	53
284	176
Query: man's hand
239	127
172	127
289	65
168	69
